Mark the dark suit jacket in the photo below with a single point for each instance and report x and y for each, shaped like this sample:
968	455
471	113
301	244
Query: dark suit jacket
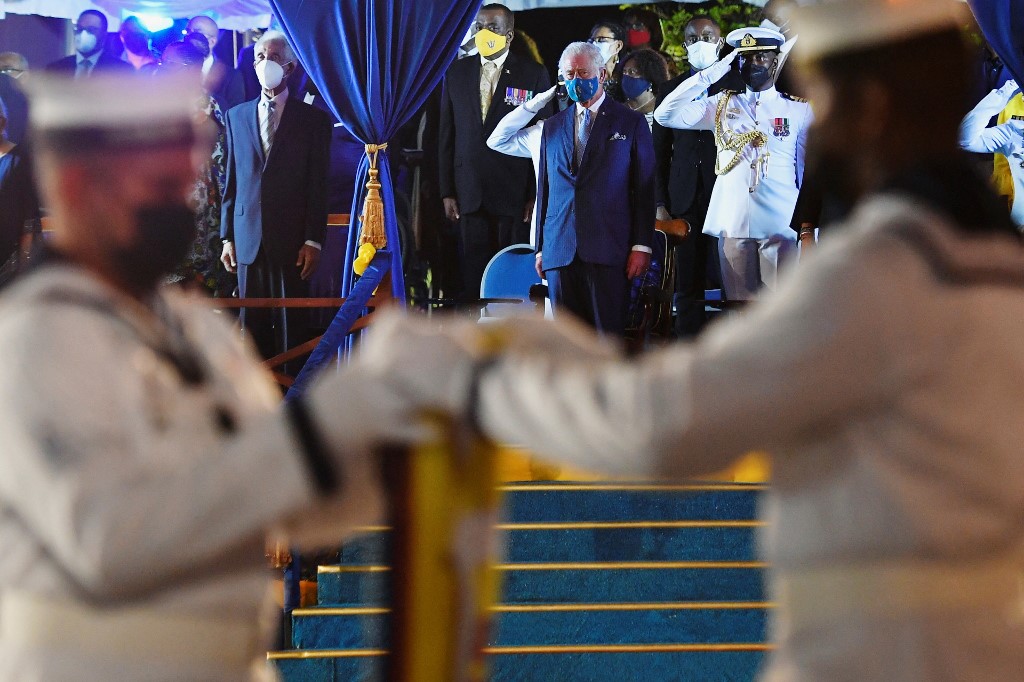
281	201
17	108
608	207
479	177
106	62
225	84
686	156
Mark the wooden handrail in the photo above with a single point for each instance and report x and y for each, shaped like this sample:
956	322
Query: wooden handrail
287	302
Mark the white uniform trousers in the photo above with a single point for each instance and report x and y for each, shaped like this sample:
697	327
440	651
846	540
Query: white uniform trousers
749	264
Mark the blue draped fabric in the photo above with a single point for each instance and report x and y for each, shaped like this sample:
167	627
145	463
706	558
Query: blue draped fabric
375	62
325	351
1002	22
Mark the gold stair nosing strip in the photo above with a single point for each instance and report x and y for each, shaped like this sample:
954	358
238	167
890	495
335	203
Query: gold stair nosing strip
578	566
325	653
629	487
325	611
553	649
602	525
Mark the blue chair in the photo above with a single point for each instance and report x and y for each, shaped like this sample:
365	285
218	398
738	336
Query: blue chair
509	276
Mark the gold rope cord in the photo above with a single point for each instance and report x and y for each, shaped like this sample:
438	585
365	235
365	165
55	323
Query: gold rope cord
372	218
736	143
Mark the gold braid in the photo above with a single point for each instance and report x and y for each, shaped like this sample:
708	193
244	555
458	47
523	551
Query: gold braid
736	143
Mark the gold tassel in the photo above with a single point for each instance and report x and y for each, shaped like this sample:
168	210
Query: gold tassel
372	218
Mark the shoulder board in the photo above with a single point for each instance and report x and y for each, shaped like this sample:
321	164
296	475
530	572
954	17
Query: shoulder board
793	98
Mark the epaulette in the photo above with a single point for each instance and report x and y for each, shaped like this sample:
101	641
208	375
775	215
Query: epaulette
792	98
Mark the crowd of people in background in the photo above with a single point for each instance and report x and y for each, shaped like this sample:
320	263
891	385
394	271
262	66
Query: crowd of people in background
723	151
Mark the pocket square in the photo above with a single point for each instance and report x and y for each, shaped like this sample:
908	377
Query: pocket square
616	136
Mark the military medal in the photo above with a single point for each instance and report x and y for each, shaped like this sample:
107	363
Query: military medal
517	96
780	127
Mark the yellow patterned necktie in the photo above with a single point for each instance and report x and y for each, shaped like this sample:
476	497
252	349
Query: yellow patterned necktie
488	71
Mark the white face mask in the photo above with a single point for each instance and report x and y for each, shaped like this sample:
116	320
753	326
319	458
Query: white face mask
701	54
85	42
269	73
607	50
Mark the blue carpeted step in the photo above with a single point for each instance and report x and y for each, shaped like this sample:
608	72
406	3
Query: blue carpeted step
602	541
738	663
565	502
545	625
653	566
539	583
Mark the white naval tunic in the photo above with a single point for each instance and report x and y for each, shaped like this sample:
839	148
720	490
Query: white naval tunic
513	136
885	377
756	199
1006	139
120	485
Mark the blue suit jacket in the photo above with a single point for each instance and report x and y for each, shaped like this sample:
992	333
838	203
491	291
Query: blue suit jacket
608	206
281	201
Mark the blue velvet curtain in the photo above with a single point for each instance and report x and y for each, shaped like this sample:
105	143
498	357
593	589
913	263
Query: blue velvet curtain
1002	22
375	62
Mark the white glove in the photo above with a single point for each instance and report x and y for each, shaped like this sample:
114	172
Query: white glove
563	340
717	71
427	362
430	365
538	102
1009	89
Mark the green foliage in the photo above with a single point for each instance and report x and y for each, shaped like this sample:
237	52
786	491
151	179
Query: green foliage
729	14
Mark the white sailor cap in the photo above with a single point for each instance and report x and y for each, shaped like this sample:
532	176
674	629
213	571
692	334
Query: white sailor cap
112	112
755	39
837	26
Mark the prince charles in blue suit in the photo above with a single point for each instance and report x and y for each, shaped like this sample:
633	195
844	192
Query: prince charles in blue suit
595	196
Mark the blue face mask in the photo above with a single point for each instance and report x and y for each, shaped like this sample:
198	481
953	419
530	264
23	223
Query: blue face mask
633	87
582	89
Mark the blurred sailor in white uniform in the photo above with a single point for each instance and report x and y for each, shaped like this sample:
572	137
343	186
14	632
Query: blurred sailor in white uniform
761	136
145	451
1006	139
884	376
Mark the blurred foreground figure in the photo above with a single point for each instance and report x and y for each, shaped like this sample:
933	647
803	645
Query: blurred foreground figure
145	455
884	376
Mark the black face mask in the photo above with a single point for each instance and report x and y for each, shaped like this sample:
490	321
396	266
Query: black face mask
755	76
165	234
136	43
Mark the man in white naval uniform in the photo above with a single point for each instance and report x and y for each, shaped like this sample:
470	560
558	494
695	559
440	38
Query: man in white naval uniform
1006	139
145	453
761	135
894	514
513	135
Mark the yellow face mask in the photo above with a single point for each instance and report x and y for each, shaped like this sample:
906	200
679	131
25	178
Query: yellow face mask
490	43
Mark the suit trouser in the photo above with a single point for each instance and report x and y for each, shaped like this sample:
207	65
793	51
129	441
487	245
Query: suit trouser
692	258
272	329
597	294
749	264
483	235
